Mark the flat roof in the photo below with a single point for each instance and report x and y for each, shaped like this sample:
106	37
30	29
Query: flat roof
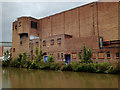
6	44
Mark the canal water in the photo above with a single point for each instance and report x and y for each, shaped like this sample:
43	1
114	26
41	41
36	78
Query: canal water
24	78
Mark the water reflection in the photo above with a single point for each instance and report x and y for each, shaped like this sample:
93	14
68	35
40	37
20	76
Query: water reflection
23	78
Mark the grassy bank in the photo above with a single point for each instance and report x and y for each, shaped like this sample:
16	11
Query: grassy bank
73	66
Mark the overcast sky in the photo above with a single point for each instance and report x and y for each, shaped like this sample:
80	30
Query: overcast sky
12	10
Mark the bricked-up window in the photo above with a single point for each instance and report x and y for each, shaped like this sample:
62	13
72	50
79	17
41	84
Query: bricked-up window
44	43
117	54
100	55
15	27
74	55
34	25
59	40
20	24
13	49
52	42
108	54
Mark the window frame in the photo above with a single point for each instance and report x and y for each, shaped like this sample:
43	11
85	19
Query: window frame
34	25
108	54
58	55
52	41
59	40
117	55
44	42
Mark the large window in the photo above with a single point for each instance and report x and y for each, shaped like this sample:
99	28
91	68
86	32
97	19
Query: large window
34	25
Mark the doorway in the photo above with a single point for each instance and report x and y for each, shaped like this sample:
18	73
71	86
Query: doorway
67	58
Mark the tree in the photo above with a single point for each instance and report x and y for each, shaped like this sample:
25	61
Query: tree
36	50
38	56
6	56
87	55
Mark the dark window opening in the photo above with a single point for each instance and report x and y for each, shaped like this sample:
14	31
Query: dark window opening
23	36
29	45
44	43
58	55
52	42
31	51
13	49
20	37
61	55
34	25
117	55
15	27
37	43
59	41
108	54
20	24
21	43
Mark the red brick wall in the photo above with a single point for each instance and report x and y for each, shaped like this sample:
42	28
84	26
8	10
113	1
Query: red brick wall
1	51
108	20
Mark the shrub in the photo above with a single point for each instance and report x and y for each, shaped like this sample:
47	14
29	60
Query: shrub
33	65
67	67
6	56
52	66
58	65
15	63
50	59
87	55
74	65
5	63
38	56
27	64
102	67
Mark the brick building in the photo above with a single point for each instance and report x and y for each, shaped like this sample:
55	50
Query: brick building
4	46
95	24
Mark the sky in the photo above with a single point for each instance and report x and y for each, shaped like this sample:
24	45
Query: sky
10	11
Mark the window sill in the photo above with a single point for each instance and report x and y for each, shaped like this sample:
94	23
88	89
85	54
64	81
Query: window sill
100	58
117	57
108	58
94	58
